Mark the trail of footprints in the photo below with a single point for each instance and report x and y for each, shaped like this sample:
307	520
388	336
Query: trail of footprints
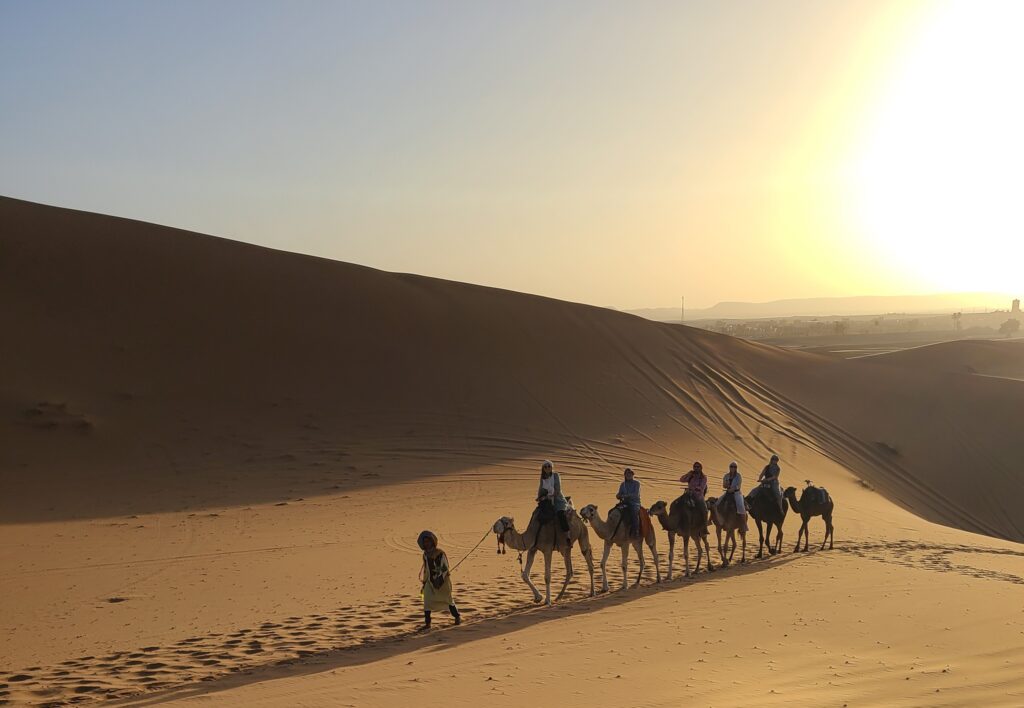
933	556
153	668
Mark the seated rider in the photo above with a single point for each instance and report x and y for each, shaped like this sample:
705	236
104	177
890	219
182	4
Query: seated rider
696	487
629	498
731	483
549	496
769	477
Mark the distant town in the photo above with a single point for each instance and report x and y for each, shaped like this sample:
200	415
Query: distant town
861	334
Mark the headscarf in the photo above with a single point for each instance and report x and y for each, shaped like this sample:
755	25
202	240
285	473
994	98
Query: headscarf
424	535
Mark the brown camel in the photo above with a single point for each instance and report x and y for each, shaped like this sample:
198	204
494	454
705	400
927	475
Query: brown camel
689	522
814	501
615	531
547	540
726	519
762	507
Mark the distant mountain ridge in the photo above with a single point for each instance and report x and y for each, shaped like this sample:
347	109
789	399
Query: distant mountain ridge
833	306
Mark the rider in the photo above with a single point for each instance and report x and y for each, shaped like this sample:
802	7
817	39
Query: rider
731	482
550	493
770	477
697	487
629	495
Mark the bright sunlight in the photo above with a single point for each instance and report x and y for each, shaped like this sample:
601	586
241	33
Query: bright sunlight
936	177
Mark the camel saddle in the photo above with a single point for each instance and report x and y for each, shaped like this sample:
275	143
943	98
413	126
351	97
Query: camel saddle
645	523
544	513
644	526
816	495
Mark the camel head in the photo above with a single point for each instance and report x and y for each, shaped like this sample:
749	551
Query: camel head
587	512
659	507
789	491
503	524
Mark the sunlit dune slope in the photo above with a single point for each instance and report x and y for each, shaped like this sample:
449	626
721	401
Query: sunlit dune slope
146	366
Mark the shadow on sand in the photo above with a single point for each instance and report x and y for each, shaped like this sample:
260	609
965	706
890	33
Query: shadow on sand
449	637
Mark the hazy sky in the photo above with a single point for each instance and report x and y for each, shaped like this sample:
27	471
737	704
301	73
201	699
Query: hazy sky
612	153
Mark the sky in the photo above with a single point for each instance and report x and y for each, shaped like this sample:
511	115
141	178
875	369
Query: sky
619	154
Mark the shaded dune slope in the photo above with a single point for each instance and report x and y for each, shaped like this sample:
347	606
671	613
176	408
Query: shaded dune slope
147	364
973	356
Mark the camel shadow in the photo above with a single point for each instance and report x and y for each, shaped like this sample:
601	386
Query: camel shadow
441	639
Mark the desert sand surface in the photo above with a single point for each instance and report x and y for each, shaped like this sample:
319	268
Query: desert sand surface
985	357
216	459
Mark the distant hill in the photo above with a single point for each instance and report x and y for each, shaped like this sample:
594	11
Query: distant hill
833	306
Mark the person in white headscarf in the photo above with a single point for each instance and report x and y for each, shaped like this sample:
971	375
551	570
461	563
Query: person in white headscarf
732	483
550	493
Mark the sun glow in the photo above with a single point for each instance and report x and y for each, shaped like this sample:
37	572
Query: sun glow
936	180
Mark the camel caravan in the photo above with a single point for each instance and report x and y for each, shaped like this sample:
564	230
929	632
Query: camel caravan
556	526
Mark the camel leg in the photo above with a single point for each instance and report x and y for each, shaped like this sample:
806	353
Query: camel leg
625	563
686	555
604	566
530	555
547	578
639	548
671	553
778	539
828	532
743	540
567	556
807	534
588	556
760	538
696	544
799	536
653	545
703	538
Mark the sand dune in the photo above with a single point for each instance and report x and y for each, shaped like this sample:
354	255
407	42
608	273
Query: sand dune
216	458
973	356
165	362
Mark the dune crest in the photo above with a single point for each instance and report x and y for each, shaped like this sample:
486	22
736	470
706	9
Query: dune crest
166	358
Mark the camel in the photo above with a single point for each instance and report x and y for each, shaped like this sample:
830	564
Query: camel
726	519
547	540
809	506
762	507
683	520
614	531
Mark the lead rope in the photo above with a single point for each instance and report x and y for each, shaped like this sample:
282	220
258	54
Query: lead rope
482	539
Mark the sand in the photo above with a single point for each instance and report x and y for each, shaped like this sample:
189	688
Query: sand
216	459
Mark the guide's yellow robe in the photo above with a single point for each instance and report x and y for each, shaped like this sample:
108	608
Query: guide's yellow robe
436	598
